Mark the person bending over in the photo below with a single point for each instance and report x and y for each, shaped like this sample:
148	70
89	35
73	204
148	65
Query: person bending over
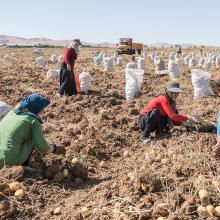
161	113
20	132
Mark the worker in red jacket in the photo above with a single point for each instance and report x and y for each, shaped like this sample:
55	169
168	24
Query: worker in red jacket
67	81
161	113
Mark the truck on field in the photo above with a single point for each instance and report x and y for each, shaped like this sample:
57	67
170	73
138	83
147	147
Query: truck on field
126	46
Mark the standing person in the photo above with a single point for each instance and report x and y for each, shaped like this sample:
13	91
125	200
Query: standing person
201	52
67	79
179	50
215	86
161	113
20	132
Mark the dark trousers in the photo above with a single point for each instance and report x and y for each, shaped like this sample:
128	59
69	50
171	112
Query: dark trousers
153	121
67	81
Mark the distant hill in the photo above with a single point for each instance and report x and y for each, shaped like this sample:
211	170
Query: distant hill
12	40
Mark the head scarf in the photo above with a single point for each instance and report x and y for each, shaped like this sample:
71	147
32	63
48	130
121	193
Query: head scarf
73	45
168	94
35	103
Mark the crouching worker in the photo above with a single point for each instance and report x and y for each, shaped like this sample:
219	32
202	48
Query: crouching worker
215	86
161	113
20	132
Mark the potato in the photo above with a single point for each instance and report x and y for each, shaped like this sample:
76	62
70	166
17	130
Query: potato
126	154
217	211
57	211
203	193
65	173
165	160
14	186
201	209
161	218
163	205
84	210
131	176
210	210
103	164
75	161
144	187
19	193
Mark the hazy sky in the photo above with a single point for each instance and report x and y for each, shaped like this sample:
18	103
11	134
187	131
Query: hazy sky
147	21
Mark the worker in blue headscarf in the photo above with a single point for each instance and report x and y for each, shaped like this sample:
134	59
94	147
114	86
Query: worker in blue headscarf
21	133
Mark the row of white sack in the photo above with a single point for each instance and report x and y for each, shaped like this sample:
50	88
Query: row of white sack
54	58
174	55
178	63
134	81
40	61
200	81
140	64
108	61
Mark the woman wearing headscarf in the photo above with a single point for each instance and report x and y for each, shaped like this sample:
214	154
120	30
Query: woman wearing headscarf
161	113
215	86
20	132
67	79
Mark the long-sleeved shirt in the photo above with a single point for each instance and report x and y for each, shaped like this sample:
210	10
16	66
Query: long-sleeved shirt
218	126
69	57
19	135
162	104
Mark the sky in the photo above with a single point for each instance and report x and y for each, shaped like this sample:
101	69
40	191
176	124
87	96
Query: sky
147	21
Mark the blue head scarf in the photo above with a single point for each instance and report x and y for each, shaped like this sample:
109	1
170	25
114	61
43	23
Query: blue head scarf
34	103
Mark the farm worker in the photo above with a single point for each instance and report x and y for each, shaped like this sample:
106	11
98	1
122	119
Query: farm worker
161	113
215	86
20	132
179	50
68	85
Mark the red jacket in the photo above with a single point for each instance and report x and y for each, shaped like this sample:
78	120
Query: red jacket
69	57
162	104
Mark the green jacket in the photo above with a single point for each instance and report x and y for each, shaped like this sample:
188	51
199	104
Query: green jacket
19	135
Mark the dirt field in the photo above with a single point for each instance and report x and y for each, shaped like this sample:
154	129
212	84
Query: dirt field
158	179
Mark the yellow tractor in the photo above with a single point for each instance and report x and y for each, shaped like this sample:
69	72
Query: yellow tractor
126	46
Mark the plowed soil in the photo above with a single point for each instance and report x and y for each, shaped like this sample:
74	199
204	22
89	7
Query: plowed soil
157	179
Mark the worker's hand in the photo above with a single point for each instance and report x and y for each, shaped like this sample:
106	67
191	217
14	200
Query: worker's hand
216	150
50	150
68	67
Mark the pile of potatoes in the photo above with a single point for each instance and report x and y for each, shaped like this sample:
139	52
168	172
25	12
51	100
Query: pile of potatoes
14	188
206	208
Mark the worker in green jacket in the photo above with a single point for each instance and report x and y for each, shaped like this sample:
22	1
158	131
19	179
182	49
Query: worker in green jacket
20	132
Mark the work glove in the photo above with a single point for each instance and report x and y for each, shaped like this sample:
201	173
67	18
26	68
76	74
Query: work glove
192	118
